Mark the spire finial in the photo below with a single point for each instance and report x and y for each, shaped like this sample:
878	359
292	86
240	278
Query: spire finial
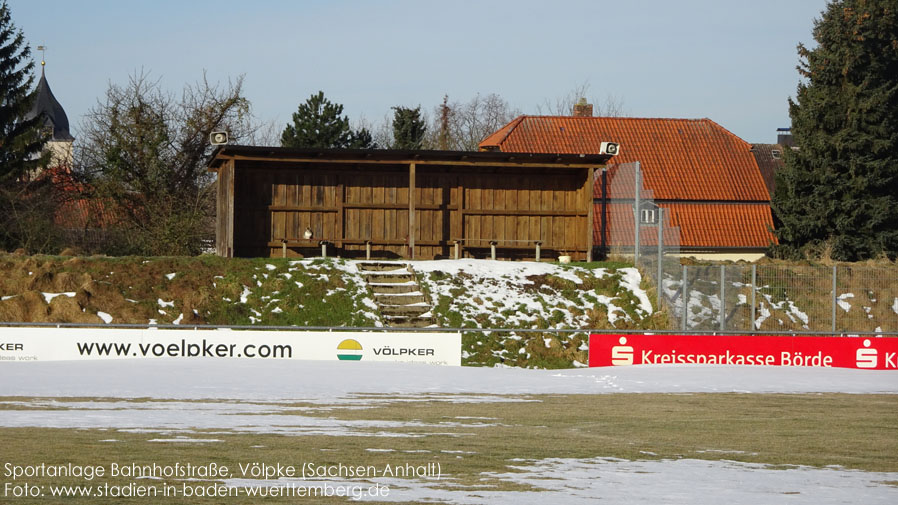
42	49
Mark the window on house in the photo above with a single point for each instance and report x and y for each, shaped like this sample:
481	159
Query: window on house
649	216
776	153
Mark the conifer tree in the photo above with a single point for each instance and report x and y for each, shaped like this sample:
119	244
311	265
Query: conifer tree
839	189
21	140
318	123
408	128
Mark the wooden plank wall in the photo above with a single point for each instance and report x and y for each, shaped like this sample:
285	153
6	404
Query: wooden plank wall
224	237
517	211
347	205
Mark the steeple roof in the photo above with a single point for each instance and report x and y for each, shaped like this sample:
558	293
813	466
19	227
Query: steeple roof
54	115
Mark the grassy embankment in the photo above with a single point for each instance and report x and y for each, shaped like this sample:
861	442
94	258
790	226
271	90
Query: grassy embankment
316	292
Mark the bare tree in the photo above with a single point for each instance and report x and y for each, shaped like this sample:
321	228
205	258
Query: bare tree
563	105
264	133
462	126
143	154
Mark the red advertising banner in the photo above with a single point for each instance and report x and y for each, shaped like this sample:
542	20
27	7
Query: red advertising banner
867	352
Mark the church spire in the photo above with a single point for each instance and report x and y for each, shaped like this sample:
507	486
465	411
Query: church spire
46	104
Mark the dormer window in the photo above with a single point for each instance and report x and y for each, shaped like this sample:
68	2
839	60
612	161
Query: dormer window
649	216
648	213
776	153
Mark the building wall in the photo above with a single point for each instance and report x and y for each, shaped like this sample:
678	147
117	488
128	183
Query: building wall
349	204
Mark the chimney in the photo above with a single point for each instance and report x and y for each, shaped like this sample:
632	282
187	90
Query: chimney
582	109
784	137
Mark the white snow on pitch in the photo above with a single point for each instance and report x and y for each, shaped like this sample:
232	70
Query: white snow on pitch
247	403
612	480
311	380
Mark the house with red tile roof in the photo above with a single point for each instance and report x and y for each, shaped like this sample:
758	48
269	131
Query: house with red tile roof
705	178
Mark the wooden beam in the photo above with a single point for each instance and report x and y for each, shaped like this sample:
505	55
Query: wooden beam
364	161
510	212
411	210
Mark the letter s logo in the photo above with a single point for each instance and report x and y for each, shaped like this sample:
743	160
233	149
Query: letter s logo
866	358
622	354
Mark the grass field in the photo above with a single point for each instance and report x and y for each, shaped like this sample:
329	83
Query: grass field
472	438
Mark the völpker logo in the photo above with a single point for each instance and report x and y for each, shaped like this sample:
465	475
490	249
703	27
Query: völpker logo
349	350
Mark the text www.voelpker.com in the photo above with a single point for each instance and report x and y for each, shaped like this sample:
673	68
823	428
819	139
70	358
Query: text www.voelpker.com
183	349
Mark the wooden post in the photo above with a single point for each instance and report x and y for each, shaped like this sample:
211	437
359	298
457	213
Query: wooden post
538	246
367	249
460	216
493	250
341	197
411	210
229	244
590	182
283	248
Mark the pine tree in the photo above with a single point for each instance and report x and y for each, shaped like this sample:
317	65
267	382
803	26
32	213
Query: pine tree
21	140
318	123
408	128
840	188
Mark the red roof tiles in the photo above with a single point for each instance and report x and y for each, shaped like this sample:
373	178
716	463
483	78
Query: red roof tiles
706	175
683	159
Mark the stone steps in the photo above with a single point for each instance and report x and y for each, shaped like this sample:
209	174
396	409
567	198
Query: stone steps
399	298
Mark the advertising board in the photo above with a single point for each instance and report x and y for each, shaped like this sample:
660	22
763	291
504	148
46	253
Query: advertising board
865	352
62	344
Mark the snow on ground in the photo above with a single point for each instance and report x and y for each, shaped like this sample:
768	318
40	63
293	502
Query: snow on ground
611	480
48	297
252	398
504	292
296	380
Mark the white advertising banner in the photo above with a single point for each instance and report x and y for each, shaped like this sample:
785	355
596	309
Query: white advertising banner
63	344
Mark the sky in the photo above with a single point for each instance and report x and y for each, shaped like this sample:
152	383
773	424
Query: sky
731	61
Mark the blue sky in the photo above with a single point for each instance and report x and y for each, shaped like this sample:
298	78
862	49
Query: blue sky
733	62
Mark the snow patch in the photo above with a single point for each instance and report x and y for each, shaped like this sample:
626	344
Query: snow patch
50	296
840	301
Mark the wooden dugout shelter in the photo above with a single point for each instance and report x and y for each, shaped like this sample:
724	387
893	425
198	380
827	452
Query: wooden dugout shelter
402	204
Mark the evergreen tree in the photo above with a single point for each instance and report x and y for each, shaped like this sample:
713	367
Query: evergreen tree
408	128
21	140
318	123
839	190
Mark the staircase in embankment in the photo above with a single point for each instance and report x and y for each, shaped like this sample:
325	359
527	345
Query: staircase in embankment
399	298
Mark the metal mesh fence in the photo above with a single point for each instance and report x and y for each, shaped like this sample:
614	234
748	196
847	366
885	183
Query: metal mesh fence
638	227
737	297
776	298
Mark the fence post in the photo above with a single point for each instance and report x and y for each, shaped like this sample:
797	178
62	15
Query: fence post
723	305
834	299
660	282
637	217
754	281
684	303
